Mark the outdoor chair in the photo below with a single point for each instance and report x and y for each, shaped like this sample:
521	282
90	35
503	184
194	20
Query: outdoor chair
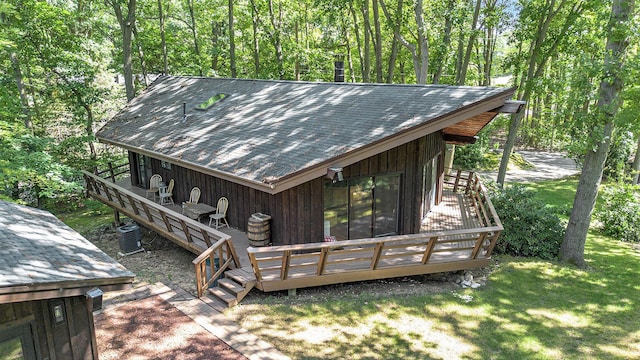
194	197
221	213
154	186
166	194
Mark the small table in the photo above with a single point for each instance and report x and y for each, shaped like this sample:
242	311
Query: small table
196	211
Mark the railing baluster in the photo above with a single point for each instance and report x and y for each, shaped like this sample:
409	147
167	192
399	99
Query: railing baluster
286	259
322	261
481	237
429	249
455	185
375	259
167	223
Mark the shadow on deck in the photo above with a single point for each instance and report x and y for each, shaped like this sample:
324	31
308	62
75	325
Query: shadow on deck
458	234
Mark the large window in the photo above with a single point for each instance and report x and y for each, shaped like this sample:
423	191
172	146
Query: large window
17	343
362	207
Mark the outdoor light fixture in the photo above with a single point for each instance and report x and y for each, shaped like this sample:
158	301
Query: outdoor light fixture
57	313
335	174
95	295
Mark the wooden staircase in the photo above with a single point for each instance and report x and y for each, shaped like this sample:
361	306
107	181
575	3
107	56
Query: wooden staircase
233	287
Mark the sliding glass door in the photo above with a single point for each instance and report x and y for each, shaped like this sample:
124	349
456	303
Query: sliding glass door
362	207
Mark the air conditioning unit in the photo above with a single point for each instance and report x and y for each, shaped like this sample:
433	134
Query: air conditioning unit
130	239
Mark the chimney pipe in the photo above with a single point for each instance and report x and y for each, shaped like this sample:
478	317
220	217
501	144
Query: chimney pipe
338	72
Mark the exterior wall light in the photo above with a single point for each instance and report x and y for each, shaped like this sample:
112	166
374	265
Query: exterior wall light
335	174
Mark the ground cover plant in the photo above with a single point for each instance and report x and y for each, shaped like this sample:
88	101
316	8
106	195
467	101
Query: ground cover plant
529	308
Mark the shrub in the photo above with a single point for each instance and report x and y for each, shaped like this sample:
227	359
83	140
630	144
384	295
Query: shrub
620	212
530	228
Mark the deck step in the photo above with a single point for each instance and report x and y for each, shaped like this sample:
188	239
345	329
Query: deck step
230	285
215	303
223	295
241	276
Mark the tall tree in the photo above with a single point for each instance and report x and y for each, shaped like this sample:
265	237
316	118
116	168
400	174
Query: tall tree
609	101
420	50
126	21
544	41
163	40
232	42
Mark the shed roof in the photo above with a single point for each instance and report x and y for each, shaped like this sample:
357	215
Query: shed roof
273	135
40	257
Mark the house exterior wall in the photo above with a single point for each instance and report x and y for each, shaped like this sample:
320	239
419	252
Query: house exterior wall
33	323
297	213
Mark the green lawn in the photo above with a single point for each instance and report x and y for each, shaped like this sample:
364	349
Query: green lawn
529	309
89	216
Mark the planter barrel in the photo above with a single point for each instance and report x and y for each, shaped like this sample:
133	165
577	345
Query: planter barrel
259	230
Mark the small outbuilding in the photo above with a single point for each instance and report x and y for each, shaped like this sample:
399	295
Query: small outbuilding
344	160
51	281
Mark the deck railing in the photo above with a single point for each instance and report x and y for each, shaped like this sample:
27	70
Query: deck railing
469	182
314	264
190	234
113	172
213	262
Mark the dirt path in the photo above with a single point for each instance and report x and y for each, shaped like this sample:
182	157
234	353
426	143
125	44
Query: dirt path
548	166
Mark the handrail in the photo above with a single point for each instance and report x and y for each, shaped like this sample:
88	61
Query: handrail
225	253
190	234
475	189
113	171
311	264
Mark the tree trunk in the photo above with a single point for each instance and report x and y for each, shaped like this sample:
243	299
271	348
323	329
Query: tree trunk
394	45
378	41
539	54
636	165
422	67
609	101
232	43
446	41
366	74
194	34
165	61
358	41
255	21
17	75
276	22
419	53
462	75
216	33
143	63
126	26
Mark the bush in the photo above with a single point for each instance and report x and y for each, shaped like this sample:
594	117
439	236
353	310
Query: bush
620	212
530	228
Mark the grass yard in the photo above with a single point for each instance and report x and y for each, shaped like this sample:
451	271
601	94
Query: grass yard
529	309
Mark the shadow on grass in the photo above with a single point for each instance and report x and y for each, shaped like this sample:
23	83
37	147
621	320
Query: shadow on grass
530	309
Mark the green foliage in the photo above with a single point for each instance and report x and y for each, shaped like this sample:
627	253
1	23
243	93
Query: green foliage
620	212
530	228
474	156
30	174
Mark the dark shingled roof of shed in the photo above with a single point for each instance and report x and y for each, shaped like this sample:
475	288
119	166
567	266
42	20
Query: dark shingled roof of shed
37	249
267	130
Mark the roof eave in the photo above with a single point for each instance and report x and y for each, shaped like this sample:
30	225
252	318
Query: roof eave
53	290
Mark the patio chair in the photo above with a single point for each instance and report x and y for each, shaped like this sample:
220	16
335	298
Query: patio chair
166	194
194	197
154	186
221	213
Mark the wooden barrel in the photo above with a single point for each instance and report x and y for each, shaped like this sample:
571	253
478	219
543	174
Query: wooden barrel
259	231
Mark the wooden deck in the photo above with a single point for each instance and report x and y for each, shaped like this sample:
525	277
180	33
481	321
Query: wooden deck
458	234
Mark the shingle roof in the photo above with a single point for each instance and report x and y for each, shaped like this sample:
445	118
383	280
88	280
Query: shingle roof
38	250
267	130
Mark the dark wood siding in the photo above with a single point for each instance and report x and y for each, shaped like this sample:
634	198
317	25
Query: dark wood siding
72	339
297	213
